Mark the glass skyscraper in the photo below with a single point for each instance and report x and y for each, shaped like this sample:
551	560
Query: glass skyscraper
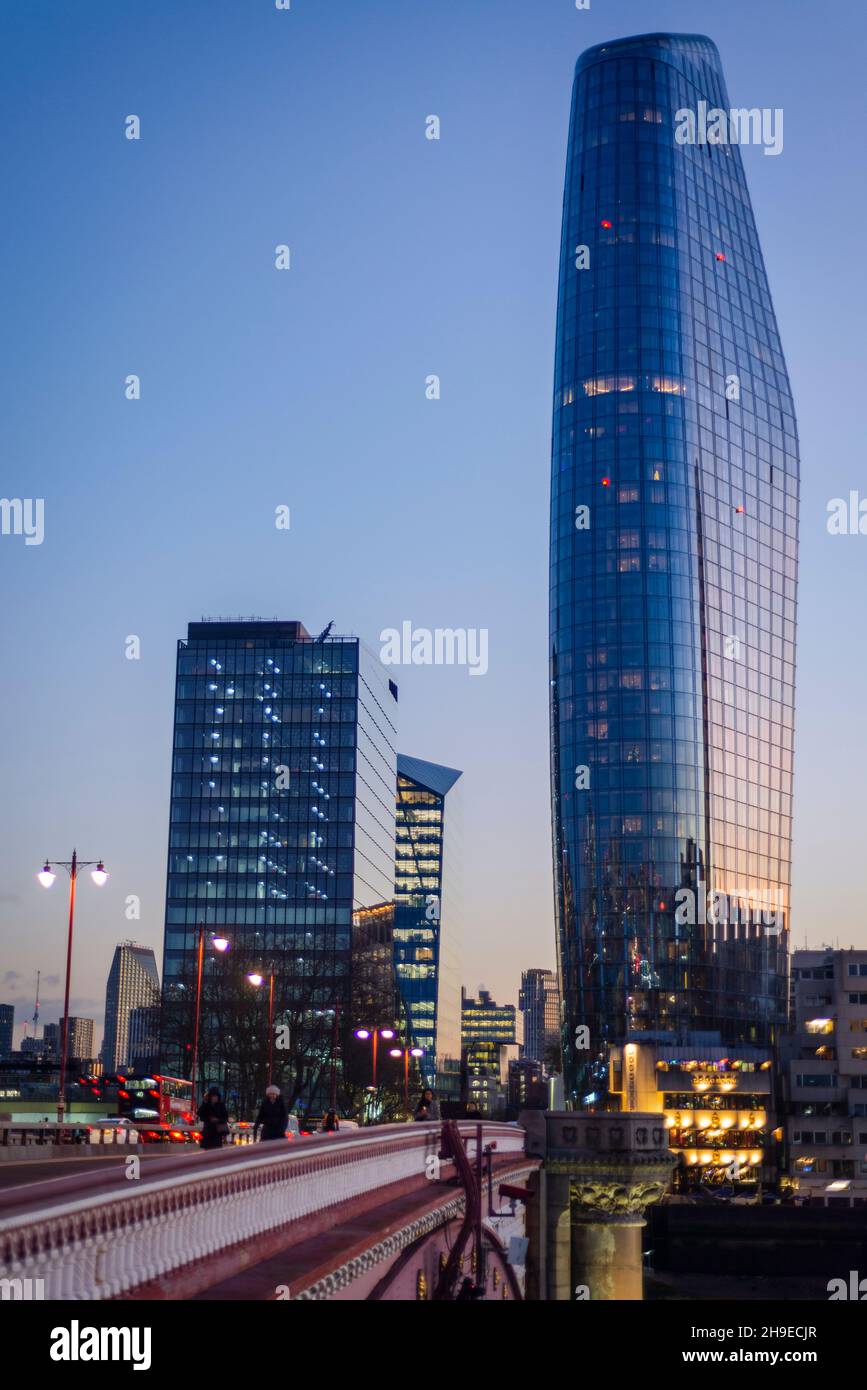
133	983
427	924
673	585
539	1003
282	828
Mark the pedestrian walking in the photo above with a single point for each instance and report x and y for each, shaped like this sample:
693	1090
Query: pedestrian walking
214	1118
273	1117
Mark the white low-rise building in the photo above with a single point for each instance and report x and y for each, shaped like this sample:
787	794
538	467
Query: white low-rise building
825	1072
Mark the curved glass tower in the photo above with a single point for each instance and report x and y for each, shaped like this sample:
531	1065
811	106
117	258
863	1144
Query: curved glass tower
674	516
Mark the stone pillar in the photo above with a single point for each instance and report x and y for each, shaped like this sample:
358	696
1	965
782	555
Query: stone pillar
600	1174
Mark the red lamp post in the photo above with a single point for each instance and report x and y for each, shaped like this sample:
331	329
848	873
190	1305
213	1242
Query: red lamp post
219	943
46	877
375	1034
406	1053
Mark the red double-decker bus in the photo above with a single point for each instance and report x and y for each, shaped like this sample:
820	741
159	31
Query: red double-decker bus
160	1107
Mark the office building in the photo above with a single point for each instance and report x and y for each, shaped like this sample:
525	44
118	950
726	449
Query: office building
427	929
489	1042
539	1004
673	576
133	982
825	1076
7	1029
44	1048
528	1088
144	1039
81	1045
282	828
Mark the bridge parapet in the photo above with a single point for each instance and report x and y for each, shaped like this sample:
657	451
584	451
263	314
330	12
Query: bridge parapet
192	1216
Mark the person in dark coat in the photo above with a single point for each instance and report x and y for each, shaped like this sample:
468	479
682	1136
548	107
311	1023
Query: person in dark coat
428	1107
273	1116
214	1118
330	1122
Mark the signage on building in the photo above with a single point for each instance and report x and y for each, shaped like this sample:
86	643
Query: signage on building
631	1078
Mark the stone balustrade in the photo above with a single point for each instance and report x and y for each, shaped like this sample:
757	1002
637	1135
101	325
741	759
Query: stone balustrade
100	1236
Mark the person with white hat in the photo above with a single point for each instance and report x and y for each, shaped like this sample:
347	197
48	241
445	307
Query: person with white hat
273	1116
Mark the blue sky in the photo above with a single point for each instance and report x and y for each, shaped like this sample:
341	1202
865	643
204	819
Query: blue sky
306	388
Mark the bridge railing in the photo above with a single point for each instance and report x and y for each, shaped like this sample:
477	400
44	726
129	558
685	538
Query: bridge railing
22	1135
99	1236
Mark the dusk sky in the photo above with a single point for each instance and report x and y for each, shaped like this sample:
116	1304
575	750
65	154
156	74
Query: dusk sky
306	388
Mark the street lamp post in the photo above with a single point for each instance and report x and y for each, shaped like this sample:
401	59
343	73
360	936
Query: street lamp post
374	1034
406	1053
46	877
220	944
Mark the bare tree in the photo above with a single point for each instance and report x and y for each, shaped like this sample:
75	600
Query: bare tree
234	1044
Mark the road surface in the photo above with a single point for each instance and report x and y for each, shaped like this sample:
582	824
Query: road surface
32	1171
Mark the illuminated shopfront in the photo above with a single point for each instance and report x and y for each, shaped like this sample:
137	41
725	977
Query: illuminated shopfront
717	1105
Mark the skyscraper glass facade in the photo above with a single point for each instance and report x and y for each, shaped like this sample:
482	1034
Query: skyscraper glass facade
539	1003
133	983
674	516
427	930
282	820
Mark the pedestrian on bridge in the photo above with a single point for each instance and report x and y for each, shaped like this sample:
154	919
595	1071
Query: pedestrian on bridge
273	1116
428	1107
215	1120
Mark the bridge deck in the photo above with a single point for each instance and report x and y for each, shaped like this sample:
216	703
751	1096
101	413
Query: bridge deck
193	1221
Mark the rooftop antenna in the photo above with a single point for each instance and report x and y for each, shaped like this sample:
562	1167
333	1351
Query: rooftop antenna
36	1005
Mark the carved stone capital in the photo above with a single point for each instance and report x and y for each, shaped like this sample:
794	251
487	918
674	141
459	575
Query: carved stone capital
600	1198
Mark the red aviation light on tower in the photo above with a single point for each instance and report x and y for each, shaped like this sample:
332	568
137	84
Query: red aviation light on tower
606	225
606	482
720	256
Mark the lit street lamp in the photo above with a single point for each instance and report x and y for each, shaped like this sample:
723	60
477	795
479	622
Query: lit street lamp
375	1033
46	877
406	1053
